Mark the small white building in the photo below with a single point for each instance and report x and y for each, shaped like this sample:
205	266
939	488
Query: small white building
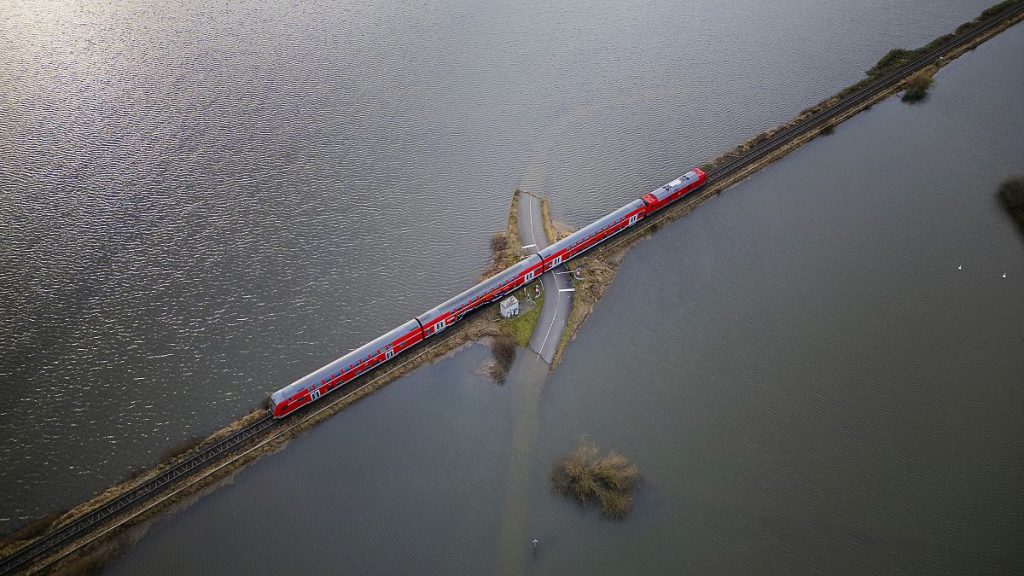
509	307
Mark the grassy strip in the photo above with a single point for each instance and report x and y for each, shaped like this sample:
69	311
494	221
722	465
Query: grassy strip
549	226
506	247
520	328
597	270
586	476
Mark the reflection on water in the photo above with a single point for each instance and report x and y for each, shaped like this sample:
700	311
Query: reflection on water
201	203
805	379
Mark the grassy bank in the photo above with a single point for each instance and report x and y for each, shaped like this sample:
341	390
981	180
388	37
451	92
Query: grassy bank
506	246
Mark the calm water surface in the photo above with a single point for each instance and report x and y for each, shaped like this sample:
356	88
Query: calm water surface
806	377
202	202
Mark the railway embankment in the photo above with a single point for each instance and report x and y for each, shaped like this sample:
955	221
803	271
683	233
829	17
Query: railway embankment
599	267
87	555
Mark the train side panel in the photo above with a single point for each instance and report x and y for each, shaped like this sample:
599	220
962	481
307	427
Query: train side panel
311	387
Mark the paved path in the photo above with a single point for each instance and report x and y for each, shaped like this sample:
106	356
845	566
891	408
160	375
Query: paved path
557	285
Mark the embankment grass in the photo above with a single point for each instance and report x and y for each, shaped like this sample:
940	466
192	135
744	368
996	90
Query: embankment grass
506	246
588	477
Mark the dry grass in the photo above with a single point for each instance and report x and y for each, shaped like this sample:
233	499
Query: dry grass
586	476
184	447
31	530
549	226
94	561
597	270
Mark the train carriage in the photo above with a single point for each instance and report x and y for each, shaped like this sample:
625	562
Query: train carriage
593	234
357	362
440	317
311	387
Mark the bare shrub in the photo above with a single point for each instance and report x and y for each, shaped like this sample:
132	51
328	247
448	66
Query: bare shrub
586	476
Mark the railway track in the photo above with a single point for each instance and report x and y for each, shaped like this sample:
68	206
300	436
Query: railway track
258	432
856	98
784	136
263	428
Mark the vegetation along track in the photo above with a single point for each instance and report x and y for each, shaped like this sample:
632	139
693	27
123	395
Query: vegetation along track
853	100
757	153
255	434
265	429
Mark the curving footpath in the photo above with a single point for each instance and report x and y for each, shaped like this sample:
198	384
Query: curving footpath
558	288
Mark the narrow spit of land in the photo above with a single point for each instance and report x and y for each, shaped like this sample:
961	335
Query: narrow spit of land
84	552
600	266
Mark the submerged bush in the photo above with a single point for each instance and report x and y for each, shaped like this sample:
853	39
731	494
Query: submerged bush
504	355
586	476
917	87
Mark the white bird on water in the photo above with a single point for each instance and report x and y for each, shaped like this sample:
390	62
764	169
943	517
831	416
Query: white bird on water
1004	274
960	267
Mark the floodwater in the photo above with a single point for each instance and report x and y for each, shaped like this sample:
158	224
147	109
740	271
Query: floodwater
202	203
819	371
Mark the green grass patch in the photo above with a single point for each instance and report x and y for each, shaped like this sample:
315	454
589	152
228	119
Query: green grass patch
520	328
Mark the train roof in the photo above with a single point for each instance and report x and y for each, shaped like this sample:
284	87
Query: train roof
371	348
591	228
674	186
478	290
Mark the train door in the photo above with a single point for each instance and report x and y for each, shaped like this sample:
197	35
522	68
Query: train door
439	326
314	394
528	277
633	219
556	261
389	353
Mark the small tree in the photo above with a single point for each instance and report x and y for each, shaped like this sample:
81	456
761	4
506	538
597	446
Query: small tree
917	87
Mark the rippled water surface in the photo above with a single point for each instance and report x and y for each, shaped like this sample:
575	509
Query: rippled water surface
818	372
201	202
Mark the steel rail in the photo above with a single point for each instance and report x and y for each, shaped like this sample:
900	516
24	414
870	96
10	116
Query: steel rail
207	457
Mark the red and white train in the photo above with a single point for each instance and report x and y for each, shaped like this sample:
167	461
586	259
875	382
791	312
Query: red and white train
311	387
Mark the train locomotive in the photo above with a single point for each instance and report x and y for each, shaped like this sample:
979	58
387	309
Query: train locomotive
313	386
